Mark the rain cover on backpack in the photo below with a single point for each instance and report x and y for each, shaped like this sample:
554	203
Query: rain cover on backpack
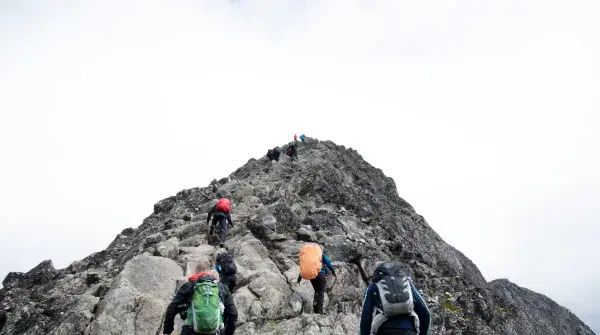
205	312
310	261
224	205
395	294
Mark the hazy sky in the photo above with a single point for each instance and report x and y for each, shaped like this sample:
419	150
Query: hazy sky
486	114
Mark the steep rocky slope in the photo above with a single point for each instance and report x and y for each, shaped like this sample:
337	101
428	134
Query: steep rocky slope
331	195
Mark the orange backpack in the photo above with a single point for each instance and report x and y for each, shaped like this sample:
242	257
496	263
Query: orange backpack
224	205
310	261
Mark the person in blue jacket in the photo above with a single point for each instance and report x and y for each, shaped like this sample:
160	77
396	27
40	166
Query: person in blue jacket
416	323
319	283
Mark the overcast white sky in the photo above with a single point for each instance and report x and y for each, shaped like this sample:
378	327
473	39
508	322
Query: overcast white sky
486	114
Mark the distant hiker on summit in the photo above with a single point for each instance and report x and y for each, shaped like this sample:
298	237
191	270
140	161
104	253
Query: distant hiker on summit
392	305
313	263
292	151
273	154
206	305
302	138
221	214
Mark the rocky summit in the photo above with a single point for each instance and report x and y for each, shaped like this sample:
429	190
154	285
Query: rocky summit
329	195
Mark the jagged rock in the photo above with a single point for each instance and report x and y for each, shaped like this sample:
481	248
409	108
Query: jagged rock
41	274
306	235
168	249
153	239
533	313
244	299
76	267
331	196
193	241
274	293
128	231
77	317
14	279
164	205
92	278
138	297
2	319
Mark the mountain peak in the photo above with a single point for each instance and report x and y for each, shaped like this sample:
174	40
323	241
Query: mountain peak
330	195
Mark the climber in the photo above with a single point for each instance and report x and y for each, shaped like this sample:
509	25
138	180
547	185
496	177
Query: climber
392	305
202	316
273	154
313	266
292	151
276	153
221	214
227	270
295	138
302	138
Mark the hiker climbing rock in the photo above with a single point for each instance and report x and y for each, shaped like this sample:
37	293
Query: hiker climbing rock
302	138
292	151
273	154
313	266
392	305
227	270
207	306
221	214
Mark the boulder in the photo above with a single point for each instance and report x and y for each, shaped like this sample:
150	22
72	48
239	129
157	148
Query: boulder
168	249
138	297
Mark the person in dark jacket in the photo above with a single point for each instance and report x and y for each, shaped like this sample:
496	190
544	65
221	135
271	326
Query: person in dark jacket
184	296
319	283
227	270
397	324
273	154
292	151
222	219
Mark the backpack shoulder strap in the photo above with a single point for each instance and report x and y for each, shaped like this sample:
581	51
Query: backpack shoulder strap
379	316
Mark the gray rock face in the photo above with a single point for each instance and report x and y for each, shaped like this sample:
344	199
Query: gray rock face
331	196
138	297
41	274
168	249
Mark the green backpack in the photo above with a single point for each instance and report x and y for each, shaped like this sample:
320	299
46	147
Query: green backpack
206	310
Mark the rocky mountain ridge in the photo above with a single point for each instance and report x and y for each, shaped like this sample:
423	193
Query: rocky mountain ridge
331	196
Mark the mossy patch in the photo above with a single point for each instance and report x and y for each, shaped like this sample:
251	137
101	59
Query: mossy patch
450	306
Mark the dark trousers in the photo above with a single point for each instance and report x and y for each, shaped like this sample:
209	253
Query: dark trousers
319	284
222	226
230	281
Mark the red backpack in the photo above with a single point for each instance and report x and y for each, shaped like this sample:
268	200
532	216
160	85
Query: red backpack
224	205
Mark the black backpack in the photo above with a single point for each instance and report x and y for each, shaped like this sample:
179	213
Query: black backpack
225	261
